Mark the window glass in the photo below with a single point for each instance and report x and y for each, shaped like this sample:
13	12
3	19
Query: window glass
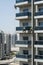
25	38
40	23
25	64
25	51
41	9
40	52
25	24
40	37
25	10
1	38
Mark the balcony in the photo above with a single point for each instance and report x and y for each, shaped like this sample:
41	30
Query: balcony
22	2
38	2
38	58
39	28
23	43
23	57
39	44
38	13
24	15
23	29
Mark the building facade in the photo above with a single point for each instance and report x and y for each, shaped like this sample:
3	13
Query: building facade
7	44
13	39
25	35
2	38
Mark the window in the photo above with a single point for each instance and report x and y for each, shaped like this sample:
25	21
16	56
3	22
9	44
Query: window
40	23
25	10
25	24
40	52
25	64
25	51
40	37
5	48
25	38
41	9
1	40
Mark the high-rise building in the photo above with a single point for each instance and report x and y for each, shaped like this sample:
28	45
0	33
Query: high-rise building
24	41
14	38
13	41
7	44
5	49
2	38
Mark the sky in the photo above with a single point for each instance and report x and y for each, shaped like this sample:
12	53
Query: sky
8	23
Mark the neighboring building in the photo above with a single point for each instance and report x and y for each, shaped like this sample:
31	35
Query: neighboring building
25	35
5	49
13	41
7	44
14	38
2	38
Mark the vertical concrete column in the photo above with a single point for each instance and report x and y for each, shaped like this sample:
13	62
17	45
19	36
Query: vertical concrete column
36	63
18	37
36	11
36	36
36	8
36	51
36	22
36	40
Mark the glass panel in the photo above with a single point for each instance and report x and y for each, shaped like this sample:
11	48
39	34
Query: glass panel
40	52
25	64
41	38
40	23
25	51
1	38
25	24
25	10
25	38
41	9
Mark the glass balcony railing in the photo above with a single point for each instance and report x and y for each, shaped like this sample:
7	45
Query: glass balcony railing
38	0
38	56
23	56
18	1
25	42
23	28
39	42
23	14
39	28
38	13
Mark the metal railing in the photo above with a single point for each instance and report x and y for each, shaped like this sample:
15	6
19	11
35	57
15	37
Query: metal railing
38	13
18	1
23	56
23	14
25	42
39	28
39	42
38	56
23	28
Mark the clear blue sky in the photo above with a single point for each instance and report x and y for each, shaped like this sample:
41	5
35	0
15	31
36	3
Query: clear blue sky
7	16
